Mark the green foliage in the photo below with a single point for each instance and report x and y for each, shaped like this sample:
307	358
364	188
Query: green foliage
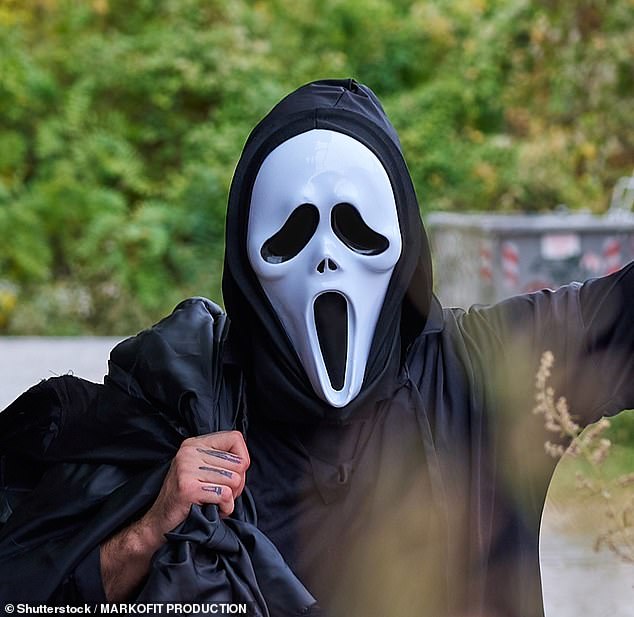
121	123
622	430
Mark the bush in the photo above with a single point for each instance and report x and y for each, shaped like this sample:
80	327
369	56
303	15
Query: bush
121	122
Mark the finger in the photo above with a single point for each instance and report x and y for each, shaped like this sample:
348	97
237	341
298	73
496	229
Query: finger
235	474
231	442
221	458
219	495
218	475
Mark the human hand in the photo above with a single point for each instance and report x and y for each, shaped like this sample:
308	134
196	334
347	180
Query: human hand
206	469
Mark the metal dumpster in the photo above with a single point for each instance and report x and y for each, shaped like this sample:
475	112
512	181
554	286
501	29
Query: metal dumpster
483	258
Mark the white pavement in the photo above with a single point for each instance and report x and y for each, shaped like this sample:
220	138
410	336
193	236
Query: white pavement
24	361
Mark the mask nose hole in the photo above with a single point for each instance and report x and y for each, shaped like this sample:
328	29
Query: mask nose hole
327	264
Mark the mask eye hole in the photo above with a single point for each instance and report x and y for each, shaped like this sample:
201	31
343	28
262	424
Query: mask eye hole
293	236
351	229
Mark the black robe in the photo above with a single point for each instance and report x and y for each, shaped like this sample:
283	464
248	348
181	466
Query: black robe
455	388
464	397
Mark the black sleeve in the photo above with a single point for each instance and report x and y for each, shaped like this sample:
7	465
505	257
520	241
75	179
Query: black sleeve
607	311
588	327
83	585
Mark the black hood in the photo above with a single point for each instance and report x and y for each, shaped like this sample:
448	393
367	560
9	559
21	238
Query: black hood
279	388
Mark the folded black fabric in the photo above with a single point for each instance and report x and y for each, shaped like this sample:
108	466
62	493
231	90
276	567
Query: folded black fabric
79	461
208	559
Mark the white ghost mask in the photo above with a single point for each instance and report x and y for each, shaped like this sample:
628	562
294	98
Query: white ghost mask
323	239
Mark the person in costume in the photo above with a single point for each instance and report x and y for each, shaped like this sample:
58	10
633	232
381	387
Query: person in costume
392	452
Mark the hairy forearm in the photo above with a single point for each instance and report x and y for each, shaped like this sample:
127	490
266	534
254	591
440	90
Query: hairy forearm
125	559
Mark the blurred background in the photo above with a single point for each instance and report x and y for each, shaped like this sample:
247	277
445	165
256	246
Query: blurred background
121	122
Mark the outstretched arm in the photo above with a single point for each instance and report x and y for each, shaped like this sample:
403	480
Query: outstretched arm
607	311
588	327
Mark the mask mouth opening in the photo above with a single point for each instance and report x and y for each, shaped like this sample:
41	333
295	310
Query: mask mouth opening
331	323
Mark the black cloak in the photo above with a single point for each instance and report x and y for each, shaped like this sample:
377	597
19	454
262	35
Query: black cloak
424	494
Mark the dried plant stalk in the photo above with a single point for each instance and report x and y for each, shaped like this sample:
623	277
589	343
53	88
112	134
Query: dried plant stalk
617	531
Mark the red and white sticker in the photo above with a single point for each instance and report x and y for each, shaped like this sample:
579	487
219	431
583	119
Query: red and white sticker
510	264
612	255
486	261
